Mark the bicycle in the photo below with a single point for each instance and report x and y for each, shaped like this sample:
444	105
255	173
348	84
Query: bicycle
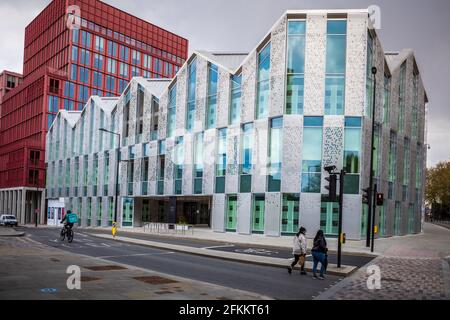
66	231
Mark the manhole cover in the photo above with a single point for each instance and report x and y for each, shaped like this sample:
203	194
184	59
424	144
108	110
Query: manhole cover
88	279
155	280
105	268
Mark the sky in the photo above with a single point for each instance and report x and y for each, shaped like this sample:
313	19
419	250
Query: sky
238	25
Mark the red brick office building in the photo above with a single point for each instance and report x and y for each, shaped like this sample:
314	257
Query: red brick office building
73	49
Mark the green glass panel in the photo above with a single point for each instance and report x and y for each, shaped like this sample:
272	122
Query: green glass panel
231	214
245	183
220	184
329	217
127	212
198	182
290	214
351	184
258	214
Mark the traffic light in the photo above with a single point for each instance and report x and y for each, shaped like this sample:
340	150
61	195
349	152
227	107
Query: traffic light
332	179
366	196
380	199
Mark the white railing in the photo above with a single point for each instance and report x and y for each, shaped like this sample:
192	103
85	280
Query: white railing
168	228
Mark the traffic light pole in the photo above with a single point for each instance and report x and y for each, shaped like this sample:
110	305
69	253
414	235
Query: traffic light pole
373	215
370	193
341	199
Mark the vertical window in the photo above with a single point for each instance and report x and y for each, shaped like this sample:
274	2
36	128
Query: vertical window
397	219
112	49
123	70
91	126
386	99
140	113
235	109
145	168
352	154
418	166
190	115
130	169
392	177
154	123
258	212
124	53
291	214
275	154
212	97
369	76
312	154
161	166
221	160
198	163
171	112
136	57
111	66
179	160
335	67
406	167
98	61
74	54
329	217
415	106
295	67
246	158
99	44
401	98
263	85
231	214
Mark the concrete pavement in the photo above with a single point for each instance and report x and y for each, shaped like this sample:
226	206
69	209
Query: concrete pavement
10	232
31	270
411	268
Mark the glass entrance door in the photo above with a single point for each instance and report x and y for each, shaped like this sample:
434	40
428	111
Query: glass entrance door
127	212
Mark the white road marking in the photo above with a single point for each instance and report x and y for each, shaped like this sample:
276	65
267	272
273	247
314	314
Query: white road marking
222	246
136	255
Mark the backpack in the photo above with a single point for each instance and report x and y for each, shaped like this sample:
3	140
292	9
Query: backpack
72	218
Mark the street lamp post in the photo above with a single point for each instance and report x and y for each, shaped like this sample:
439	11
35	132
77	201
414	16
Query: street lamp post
370	197
117	172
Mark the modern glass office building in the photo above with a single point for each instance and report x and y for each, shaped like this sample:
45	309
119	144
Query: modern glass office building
239	142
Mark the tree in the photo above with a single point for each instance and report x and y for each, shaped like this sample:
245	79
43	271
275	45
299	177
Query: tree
437	189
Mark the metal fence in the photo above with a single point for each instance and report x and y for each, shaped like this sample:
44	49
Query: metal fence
168	228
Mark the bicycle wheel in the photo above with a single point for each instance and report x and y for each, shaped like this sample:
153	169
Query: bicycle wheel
62	235
70	236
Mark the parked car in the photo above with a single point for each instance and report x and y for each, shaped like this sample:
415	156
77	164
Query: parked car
8	220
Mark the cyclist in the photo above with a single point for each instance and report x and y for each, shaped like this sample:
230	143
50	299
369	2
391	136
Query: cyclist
67	220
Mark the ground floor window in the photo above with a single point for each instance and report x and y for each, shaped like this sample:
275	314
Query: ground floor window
258	214
291	214
411	218
111	211
127	212
329	217
89	223
365	211
145	210
382	222
99	211
231	214
397	219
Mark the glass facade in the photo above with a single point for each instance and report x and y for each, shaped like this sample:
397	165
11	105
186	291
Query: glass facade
211	107
191	97
221	160
312	154
171	111
290	214
329	217
392	170
245	170
275	154
258	212
198	164
401	99
386	99
231	213
263	85
352	154
235	105
179	161
295	67
335	67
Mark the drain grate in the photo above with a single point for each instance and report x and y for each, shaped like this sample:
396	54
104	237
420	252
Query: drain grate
105	268
155	280
88	279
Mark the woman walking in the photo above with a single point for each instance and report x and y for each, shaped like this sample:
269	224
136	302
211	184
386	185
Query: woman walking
299	251
319	253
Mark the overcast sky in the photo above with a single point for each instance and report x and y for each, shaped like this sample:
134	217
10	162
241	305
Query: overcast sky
234	25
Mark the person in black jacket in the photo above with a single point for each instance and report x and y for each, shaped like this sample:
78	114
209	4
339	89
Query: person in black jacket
319	253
